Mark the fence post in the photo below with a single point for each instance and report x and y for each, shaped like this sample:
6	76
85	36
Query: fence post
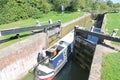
0	36
38	23
50	21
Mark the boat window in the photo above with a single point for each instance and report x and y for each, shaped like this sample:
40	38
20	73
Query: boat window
60	48
49	54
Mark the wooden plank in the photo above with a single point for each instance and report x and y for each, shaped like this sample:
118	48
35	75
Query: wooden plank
41	28
99	35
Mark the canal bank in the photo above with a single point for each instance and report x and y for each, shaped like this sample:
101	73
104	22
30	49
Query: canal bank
84	59
66	28
89	57
20	57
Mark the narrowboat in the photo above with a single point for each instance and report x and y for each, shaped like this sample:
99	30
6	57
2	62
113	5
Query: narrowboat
57	56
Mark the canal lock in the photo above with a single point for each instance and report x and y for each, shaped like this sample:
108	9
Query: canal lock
78	67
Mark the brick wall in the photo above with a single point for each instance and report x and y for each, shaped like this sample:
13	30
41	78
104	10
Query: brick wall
16	60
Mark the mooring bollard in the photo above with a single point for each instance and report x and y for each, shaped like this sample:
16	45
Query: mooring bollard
50	21
114	32
38	23
0	36
59	21
91	28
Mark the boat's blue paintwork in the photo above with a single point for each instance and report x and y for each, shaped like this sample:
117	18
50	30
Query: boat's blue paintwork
57	56
58	60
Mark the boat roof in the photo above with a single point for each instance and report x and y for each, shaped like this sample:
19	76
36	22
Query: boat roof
68	38
64	42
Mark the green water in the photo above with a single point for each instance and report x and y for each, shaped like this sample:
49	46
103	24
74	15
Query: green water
71	71
29	76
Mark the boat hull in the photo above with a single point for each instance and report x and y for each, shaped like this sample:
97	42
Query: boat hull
48	77
63	49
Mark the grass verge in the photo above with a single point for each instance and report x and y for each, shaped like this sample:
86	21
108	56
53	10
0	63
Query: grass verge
113	22
44	19
111	67
66	17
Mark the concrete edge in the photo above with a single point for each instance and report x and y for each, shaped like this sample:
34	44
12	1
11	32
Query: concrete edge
96	67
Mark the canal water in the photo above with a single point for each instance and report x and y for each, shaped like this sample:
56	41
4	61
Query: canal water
71	71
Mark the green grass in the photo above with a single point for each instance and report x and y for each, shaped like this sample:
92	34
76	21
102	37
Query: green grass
9	42
111	67
113	21
44	19
66	17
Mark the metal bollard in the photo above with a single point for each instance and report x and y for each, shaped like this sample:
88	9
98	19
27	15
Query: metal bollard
0	36
50	21
114	32
38	23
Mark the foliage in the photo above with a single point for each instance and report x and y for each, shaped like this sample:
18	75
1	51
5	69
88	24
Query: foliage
104	7
43	19
58	3
14	10
76	4
110	3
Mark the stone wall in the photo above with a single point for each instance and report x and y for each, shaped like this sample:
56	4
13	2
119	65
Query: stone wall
16	60
81	21
97	63
96	67
103	24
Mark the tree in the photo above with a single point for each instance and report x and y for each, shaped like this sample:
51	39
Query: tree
13	10
2	3
58	3
116	7
110	3
104	6
96	6
78	4
41	5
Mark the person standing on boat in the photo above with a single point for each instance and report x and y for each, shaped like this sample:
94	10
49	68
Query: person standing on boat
43	53
41	56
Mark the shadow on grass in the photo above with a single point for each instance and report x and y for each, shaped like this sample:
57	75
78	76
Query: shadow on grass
12	38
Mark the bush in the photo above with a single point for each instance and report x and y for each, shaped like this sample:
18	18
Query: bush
15	10
37	15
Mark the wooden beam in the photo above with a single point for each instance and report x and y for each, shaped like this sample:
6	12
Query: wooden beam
99	35
41	28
